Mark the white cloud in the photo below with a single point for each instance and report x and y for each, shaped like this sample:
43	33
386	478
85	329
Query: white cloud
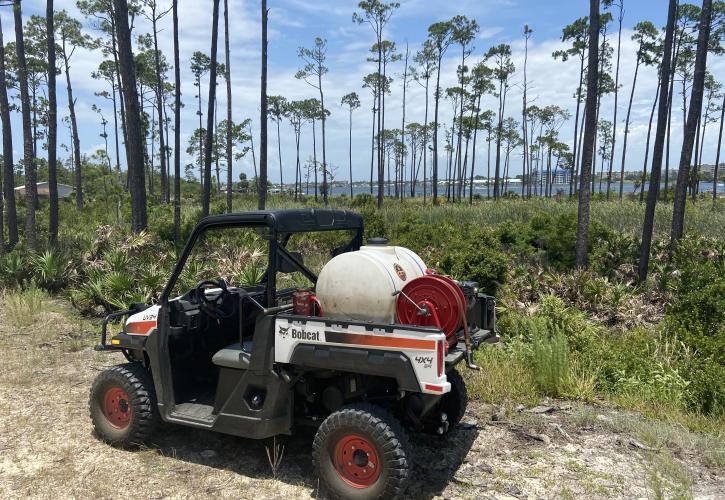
296	22
489	32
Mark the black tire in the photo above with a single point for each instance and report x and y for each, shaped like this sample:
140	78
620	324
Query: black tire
454	403
122	404
374	430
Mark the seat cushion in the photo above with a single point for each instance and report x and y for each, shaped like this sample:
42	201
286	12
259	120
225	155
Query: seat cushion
232	356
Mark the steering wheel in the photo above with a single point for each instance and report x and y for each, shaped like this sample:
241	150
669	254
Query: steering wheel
217	307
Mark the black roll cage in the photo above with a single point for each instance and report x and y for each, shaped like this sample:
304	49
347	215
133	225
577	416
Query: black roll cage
282	224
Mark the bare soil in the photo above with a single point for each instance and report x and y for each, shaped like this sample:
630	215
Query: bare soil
47	448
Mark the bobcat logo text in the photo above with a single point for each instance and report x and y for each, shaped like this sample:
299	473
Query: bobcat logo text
298	334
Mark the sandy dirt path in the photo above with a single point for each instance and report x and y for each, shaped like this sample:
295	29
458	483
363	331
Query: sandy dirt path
562	450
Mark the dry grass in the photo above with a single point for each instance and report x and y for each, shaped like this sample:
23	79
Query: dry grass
23	308
48	449
502	377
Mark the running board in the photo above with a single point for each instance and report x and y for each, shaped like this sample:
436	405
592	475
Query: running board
194	413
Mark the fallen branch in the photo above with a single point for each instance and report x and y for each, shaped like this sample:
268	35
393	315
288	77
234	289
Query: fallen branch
561	431
636	444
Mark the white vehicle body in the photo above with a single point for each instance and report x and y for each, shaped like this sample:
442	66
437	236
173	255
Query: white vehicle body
424	348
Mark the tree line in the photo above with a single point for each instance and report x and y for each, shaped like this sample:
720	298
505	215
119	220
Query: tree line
405	158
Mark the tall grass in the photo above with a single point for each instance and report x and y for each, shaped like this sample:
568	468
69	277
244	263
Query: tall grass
505	376
703	219
22	308
550	358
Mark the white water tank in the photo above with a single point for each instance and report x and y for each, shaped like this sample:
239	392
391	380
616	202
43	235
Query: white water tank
360	285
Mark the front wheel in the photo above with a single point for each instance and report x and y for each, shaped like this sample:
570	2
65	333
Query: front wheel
122	404
361	451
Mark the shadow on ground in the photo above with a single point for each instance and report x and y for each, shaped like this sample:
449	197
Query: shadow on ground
435	458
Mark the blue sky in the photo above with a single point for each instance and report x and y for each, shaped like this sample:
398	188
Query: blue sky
294	23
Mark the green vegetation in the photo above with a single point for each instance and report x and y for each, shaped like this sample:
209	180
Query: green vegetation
655	346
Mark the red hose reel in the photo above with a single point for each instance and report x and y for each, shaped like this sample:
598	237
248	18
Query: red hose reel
433	300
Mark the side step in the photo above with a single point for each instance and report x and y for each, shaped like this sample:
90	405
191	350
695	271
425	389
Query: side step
200	413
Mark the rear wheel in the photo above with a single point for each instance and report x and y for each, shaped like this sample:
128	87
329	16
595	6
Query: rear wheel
361	452
453	404
123	405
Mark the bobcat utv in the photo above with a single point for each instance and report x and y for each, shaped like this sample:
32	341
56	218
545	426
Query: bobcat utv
367	350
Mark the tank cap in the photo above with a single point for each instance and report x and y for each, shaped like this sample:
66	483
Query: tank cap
377	241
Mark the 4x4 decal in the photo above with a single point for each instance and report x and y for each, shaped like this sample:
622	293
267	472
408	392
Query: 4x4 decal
426	361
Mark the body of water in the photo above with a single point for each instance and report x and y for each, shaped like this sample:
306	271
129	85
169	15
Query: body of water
478	188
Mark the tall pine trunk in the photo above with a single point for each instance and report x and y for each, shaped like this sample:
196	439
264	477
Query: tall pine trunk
616	99
488	165
263	114
115	128
473	155
499	133
349	150
134	139
119	85
646	147
626	127
582	227
177	125
402	128
8	166
717	155
436	97
379	136
227	75
372	145
314	153
160	113
323	119
425	140
279	153
698	82
31	186
523	121
659	144
52	129
575	150
78	178
673	66
208	143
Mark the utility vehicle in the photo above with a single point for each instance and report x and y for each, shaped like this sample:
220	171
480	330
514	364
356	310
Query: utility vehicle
367	350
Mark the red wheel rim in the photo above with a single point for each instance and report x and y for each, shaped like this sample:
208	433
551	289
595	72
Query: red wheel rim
117	407
356	461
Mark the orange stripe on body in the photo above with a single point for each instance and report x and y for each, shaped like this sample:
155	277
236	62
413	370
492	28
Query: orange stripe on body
379	341
141	327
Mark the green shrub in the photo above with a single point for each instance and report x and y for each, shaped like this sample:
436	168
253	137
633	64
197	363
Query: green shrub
612	252
363	200
477	262
555	236
375	224
550	361
465	251
50	270
15	269
696	318
568	322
